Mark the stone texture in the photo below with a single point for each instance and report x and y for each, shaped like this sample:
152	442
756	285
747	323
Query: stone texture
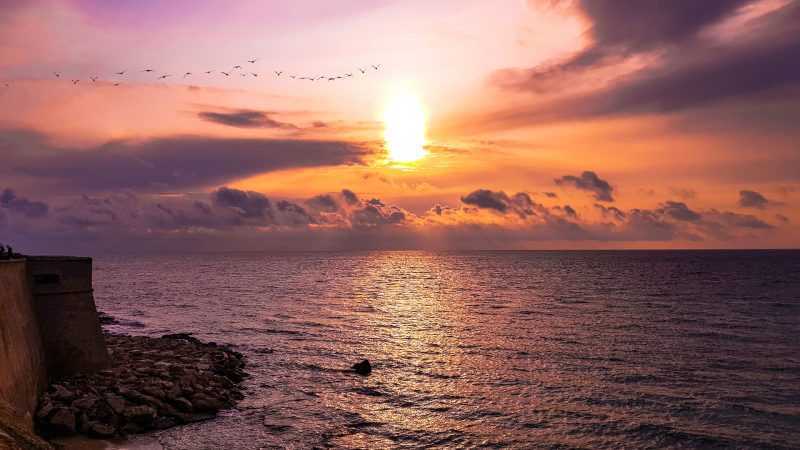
153	383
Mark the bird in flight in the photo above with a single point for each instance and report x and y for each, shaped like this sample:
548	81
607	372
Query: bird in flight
348	75
76	81
292	77
187	74
252	61
363	72
244	74
163	77
94	79
58	75
226	74
321	77
278	73
147	70
237	67
209	72
376	66
116	84
120	73
331	78
254	74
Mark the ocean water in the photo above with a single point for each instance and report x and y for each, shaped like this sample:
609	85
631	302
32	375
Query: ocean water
592	350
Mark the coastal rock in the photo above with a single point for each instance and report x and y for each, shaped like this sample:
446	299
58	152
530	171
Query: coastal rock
154	383
363	368
62	421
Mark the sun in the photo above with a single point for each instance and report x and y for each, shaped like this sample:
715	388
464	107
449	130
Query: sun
404	128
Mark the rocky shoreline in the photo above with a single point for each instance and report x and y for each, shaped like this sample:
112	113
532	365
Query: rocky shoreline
152	384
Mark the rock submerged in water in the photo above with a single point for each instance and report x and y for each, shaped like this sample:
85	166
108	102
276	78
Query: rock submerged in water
154	383
362	368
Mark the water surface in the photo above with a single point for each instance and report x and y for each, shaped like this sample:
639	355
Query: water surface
484	349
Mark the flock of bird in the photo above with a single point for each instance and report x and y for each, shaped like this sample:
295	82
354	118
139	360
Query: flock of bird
237	70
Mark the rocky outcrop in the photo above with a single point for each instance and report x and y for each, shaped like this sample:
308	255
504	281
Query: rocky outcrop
154	383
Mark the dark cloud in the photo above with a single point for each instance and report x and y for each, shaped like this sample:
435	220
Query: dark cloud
486	199
737	220
679	211
373	215
752	199
589	181
21	205
570	212
244	118
610	212
550	194
164	163
323	202
692	70
251	220
248	204
349	196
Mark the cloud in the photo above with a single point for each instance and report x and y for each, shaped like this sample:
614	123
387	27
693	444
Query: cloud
31	209
589	181
610	212
244	118
350	197
679	211
752	199
228	218
484	198
683	63
248	204
170	163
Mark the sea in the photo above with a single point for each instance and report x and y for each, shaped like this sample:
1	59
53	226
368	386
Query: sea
528	350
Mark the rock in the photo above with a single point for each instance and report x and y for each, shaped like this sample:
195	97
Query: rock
62	393
205	403
101	430
363	368
84	403
140	415
182	404
153	383
116	403
183	337
62	421
45	408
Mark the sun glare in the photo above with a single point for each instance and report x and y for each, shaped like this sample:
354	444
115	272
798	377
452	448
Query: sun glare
404	132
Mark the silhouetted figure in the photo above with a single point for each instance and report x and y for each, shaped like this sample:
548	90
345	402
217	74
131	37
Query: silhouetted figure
376	66
163	77
363	368
254	74
363	72
209	72
252	61
58	75
278	73
120	73
147	70
226	74
94	79
75	82
187	74
237	67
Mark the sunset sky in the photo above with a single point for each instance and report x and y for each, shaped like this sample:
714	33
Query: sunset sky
547	124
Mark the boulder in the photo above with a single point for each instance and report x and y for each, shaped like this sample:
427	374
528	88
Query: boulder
363	368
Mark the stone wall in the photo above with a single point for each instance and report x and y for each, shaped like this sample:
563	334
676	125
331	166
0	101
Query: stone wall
22	363
49	328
